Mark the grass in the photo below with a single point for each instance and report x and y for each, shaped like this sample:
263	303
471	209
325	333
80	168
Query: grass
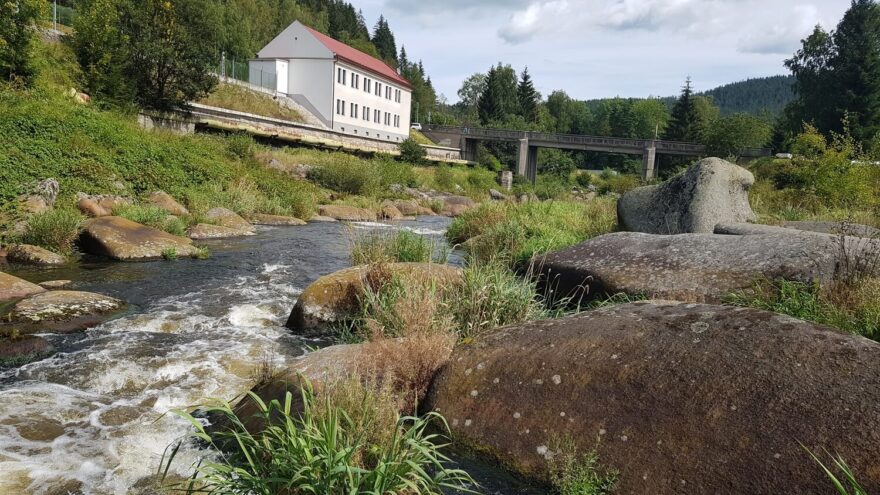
350	175
517	233
420	138
575	473
397	246
474	182
152	216
241	99
325	449
55	230
169	254
849	485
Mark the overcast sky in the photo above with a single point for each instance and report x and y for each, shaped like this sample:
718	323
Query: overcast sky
604	48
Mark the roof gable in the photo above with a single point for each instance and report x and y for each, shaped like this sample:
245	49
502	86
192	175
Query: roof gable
296	41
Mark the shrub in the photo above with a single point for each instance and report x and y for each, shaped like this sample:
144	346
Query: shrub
323	450
169	254
618	184
152	216
347	175
550	187
444	178
809	144
411	151
584	179
480	180
394	172
487	160
240	145
397	246
55	230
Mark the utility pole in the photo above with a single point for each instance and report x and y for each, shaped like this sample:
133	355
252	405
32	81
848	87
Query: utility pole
417	111
55	15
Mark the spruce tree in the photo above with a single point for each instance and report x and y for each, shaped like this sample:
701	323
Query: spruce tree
383	38
528	97
489	106
856	68
403	61
683	124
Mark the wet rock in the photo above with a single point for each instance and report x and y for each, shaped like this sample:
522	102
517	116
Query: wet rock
261	219
228	218
334	297
204	231
33	255
55	284
710	192
163	200
61	311
12	288
121	239
390	212
692	267
347	213
321	218
24	349
412	209
714	399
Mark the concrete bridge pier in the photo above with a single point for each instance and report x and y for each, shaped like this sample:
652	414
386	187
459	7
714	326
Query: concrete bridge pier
468	149
649	161
527	164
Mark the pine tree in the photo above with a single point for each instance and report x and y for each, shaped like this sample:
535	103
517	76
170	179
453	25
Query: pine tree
856	68
403	61
684	122
528	97
489	106
383	38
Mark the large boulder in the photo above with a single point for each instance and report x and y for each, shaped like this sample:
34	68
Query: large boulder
454	206
61	311
24	349
33	255
165	201
412	209
121	239
710	192
278	220
390	212
204	231
837	228
12	288
694	267
229	219
334	297
100	205
684	398
347	213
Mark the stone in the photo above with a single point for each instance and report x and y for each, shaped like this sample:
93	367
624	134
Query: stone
836	228
409	208
228	218
34	204
12	288
82	98
334	297
455	210
322	219
204	231
692	267
55	284
22	350
347	213
415	193
61	311
506	180
262	219
710	192
496	195
33	255
48	189
121	239
105	203
682	398
390	212
90	207
165	201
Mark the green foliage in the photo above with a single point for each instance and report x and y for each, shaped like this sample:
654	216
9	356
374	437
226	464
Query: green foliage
573	473
398	246
55	230
444	178
169	254
241	99
486	159
684	124
348	175
383	40
500	98
555	162
101	51
849	485
516	233
411	151
18	21
729	136
809	144
322	450
551	187
528	96
240	145
152	216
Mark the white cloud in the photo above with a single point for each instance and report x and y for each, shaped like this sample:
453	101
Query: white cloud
783	36
537	17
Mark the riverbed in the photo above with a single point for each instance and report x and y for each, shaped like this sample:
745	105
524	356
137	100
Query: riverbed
94	418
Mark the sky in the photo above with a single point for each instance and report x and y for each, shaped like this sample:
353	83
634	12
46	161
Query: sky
604	48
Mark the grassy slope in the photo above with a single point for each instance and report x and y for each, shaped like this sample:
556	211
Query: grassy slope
244	100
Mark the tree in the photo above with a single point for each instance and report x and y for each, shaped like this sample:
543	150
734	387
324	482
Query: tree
499	99
729	136
17	31
383	38
683	125
651	117
102	51
471	89
528	97
856	68
171	50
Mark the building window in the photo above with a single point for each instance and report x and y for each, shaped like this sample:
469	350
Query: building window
338	75
376	116
355	80
344	76
354	110
387	92
367	83
366	113
397	95
378	89
338	104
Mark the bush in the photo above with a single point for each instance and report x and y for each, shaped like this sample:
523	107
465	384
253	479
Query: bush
618	184
323	450
487	160
551	187
398	246
444	178
809	144
394	172
240	145
152	216
55	230
347	175
411	151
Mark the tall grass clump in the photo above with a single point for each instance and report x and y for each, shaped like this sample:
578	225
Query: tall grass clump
397	246
55	230
322	450
575	473
152	216
844	482
517	233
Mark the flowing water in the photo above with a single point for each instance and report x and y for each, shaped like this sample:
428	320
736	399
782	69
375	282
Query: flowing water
93	419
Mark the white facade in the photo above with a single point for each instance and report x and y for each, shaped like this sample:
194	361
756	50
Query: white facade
345	88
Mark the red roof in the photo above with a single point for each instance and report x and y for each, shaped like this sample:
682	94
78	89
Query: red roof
359	58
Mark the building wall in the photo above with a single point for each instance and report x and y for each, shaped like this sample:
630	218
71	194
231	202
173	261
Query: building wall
397	113
313	78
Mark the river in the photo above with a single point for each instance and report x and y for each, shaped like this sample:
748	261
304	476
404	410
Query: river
92	419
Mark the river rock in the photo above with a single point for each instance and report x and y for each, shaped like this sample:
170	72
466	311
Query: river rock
334	297
262	219
55	284
15	288
204	231
61	311
228	218
692	267
710	192
100	205
121	239
34	204
23	349
33	255
836	228
347	213
685	398
454	206
390	212
322	219
90	207
412	209
165	201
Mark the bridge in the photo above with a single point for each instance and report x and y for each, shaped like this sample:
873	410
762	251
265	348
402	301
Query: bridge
529	142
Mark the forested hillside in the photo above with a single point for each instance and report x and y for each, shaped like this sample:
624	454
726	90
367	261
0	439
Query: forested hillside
754	96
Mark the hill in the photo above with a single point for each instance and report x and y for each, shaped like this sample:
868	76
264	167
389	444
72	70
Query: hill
762	95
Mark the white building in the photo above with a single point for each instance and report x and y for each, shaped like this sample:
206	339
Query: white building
347	89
